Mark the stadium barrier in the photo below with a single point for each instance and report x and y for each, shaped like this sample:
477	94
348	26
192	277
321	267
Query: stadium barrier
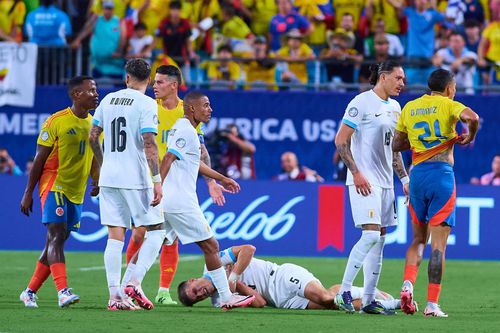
279	218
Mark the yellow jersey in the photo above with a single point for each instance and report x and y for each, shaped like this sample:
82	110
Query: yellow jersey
382	9
353	7
166	120
430	123
262	13
68	166
492	34
235	28
16	18
214	73
298	68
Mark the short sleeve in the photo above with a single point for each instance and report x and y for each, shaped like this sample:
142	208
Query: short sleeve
149	117
408	11
353	114
227	256
303	23
97	119
179	142
201	133
67	25
48	133
437	16
401	125
455	109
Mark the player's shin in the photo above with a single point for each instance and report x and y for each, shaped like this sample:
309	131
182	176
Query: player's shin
113	265
169	259
147	255
219	279
372	267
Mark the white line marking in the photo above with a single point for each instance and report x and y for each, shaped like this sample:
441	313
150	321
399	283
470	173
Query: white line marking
98	268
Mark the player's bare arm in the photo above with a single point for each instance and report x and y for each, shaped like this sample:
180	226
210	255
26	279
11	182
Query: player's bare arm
42	153
94	174
151	151
243	254
400	142
343	144
228	183
166	163
95	145
471	119
243	289
214	189
400	170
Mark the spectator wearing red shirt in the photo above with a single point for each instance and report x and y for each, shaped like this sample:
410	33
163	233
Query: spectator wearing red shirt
293	171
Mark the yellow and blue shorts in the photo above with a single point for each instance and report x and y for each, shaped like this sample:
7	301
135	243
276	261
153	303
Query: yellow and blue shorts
56	208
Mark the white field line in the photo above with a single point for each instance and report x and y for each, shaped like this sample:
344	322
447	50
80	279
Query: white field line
99	268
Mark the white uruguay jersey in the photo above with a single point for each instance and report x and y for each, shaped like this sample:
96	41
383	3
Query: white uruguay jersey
179	188
374	120
124	116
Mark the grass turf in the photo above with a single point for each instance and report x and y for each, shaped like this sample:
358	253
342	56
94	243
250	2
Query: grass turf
469	295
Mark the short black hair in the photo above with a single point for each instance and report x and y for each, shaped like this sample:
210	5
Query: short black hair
175	5
193	96
225	47
440	79
455	33
348	14
138	69
76	81
383	67
171	71
181	293
140	26
229	10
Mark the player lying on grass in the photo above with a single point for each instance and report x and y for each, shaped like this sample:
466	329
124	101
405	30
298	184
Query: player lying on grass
285	286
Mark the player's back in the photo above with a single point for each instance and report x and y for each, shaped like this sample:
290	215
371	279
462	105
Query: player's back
125	116
430	122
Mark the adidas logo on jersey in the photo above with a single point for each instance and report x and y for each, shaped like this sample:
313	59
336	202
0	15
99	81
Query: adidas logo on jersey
72	131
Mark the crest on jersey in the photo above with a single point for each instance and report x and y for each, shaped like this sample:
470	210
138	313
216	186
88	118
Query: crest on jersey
59	211
180	143
353	112
371	213
44	136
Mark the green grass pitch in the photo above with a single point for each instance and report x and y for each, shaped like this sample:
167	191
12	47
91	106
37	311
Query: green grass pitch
470	296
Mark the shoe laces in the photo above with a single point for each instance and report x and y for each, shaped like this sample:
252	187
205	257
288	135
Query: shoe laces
66	292
346	297
31	295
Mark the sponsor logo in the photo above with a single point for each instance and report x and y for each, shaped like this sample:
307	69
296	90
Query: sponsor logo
72	132
59	211
378	114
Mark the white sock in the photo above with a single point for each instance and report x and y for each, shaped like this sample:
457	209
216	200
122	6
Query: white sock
356	292
147	255
219	279
113	265
357	257
127	274
163	289
372	267
390	304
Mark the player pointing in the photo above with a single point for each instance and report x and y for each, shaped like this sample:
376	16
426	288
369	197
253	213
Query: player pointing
427	127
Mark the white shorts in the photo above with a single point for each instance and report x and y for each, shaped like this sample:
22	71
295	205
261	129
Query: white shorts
189	227
289	285
377	208
118	206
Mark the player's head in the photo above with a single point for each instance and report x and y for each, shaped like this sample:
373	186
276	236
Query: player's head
443	82
289	161
138	71
168	78
389	75
197	107
83	92
193	291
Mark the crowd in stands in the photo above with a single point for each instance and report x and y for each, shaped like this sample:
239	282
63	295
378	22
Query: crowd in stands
266	43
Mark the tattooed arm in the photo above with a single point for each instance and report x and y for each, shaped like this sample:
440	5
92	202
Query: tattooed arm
214	189
151	151
95	133
400	142
398	165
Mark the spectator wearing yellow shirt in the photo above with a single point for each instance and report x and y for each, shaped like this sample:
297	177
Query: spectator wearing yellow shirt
262	12
260	67
388	10
316	11
295	53
12	13
489	47
233	26
198	11
223	72
353	7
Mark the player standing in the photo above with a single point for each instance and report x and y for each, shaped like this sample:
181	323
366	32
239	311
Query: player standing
129	120
364	143
427	127
170	108
61	168
183	216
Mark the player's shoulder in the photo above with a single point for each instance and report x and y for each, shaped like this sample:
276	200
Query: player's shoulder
394	103
362	98
58	116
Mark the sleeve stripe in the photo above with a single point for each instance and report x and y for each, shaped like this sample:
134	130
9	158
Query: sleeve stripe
175	152
349	123
149	130
96	122
231	254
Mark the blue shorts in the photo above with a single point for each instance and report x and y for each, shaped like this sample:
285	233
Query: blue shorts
432	194
56	208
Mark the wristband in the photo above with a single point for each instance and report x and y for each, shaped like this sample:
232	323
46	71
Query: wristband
405	180
233	277
157	178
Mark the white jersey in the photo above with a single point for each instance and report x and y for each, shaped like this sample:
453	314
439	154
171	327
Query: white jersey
124	116
374	121
179	188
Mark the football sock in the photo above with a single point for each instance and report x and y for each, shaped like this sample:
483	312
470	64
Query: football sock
433	291
41	273
372	267
219	280
410	273
356	292
113	265
147	255
58	271
132	249
169	258
357	256
390	304
127	275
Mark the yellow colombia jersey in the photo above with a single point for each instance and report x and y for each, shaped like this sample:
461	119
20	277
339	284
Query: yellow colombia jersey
68	166
166	120
430	123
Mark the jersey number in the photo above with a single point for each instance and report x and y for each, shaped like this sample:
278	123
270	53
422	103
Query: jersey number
427	133
296	281
118	135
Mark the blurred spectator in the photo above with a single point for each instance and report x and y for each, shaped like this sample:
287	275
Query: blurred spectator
237	160
120	7
353	7
262	13
295	54
223	69
347	23
233	26
48	25
29	165
12	14
315	12
175	32
260	68
32	5
381	54
293	171
457	59
141	44
421	23
202	14
286	20
473	10
152	12
491	178
472	35
106	44
455	11
342	55
396	49
387	10
7	164
488	51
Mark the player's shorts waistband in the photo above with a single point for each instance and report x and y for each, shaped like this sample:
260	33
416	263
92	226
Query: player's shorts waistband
428	166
